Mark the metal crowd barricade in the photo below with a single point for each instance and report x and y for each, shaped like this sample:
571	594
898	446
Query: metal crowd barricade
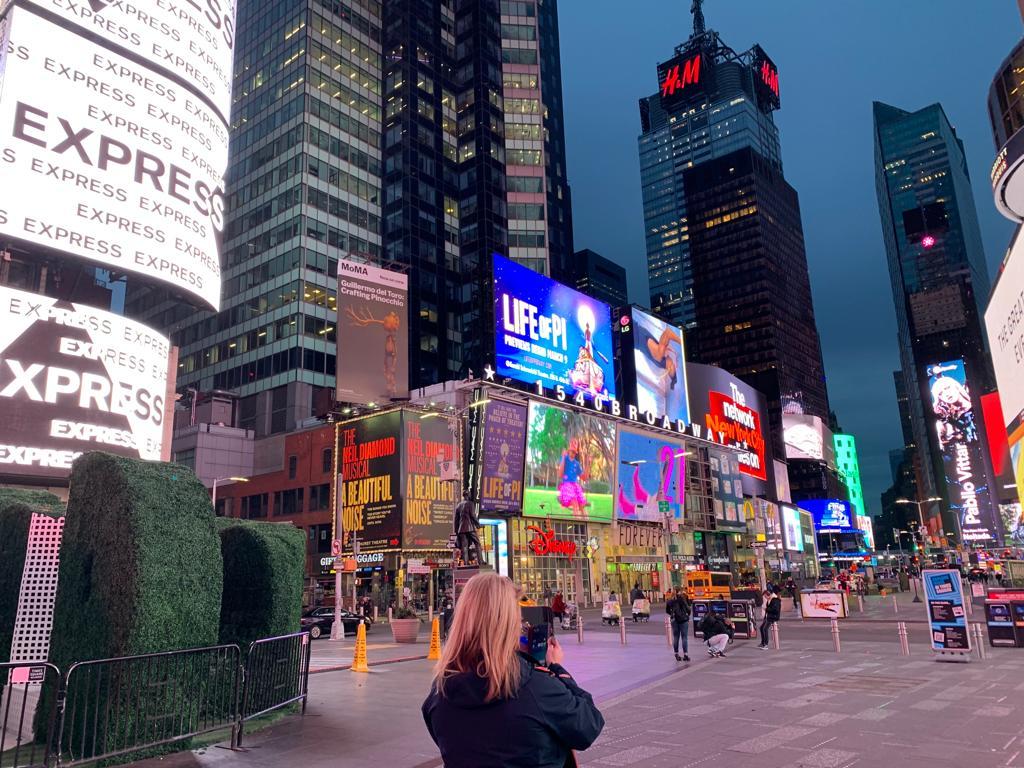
113	707
276	675
25	736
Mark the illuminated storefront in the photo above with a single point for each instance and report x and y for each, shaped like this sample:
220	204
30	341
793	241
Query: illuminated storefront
549	556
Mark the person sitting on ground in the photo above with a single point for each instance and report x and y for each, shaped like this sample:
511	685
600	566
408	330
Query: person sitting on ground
490	703
717	632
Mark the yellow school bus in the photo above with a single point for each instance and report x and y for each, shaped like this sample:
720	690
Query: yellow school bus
708	585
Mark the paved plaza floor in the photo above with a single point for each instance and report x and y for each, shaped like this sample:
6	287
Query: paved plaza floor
803	705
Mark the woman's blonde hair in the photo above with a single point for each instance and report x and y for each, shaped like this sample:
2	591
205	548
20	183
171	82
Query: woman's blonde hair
484	636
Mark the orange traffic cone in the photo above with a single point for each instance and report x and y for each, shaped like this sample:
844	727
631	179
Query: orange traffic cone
435	640
359	660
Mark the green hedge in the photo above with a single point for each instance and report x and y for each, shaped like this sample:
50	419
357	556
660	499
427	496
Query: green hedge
140	572
16	509
264	564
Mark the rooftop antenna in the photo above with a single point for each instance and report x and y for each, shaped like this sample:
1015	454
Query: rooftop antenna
698	18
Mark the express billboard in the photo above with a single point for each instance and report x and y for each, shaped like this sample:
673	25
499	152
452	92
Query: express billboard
735	414
120	164
831	515
652	365
370	504
959	445
502	457
727	489
569	464
428	500
550	335
650	476
372	334
75	379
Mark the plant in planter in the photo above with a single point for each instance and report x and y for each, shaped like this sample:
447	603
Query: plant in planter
405	625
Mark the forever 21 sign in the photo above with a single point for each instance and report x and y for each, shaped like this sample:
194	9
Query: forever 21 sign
116	161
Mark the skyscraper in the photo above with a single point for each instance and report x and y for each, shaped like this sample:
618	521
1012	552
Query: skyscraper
711	102
303	190
937	270
386	143
752	293
599	277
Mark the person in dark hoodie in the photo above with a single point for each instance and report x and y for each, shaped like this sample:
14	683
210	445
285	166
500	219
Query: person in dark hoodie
772	612
491	705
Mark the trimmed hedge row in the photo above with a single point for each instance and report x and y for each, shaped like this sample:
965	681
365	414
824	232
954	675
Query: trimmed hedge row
140	566
264	564
140	573
16	510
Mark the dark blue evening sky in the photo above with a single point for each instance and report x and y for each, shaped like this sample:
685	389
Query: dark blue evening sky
834	59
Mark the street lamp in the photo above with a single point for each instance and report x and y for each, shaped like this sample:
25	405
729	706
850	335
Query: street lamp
920	513
222	480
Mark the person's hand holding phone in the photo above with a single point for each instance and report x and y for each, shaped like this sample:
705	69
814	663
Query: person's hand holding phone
555	652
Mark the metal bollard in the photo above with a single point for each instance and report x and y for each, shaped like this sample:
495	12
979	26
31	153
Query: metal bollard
895	605
774	632
622	631
904	639
860	603
579	630
835	635
979	638
389	614
375	614
430	614
668	631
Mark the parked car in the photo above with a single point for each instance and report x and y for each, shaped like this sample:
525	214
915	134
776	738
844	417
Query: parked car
318	621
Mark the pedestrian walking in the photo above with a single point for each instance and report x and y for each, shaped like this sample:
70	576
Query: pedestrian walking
791	591
717	633
558	606
679	610
492	704
772	612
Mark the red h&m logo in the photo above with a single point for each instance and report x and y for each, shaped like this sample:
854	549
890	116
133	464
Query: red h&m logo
676	80
770	76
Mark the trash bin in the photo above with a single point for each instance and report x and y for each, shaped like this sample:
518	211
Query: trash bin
741	614
700	610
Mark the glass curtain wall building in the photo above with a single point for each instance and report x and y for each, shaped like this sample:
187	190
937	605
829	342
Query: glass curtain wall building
303	191
937	269
724	108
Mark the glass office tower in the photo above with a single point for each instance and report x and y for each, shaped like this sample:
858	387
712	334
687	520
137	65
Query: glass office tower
939	280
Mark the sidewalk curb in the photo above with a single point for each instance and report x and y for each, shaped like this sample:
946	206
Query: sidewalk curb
382	662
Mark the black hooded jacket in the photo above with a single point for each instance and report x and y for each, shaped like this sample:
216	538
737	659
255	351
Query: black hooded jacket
549	716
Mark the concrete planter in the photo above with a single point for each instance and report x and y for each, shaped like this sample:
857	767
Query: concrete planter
405	630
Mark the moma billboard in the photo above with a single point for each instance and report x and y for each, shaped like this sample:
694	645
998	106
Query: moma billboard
114	135
76	379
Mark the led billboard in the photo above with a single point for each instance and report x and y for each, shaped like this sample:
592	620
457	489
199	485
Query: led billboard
650	477
428	500
1004	320
115	161
502	457
569	464
76	379
735	414
652	363
807	437
551	335
792	535
961	450
766	80
683	78
372	334
726	489
831	515
370	504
